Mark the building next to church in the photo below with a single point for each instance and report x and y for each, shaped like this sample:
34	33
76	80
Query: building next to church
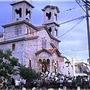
36	47
80	68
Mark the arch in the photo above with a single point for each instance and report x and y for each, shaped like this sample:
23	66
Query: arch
44	64
50	29
48	15
19	11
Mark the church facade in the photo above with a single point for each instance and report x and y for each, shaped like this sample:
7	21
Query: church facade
36	47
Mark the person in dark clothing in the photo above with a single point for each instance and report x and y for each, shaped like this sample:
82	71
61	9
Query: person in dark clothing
78	81
74	83
65	82
13	82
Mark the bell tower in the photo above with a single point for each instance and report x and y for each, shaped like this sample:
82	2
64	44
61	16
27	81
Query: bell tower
50	19
21	10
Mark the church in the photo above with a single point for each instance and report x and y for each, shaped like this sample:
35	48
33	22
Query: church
36	47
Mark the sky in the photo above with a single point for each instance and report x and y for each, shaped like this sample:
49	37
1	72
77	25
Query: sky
74	43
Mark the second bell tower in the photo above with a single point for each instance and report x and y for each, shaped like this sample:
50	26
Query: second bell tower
50	19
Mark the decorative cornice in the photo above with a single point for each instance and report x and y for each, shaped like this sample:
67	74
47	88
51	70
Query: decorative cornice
20	22
52	23
18	40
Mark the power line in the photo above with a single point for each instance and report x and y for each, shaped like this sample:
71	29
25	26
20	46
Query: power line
87	8
78	18
80	5
71	28
70	9
87	3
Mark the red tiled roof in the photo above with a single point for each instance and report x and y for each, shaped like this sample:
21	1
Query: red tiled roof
52	50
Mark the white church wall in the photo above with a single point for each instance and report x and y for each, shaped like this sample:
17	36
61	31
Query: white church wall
55	43
5	46
30	31
41	35
29	53
18	52
12	33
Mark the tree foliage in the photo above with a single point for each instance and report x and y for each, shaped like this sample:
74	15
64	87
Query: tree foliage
28	73
8	64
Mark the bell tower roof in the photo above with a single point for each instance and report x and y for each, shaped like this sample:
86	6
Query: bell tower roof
51	7
22	1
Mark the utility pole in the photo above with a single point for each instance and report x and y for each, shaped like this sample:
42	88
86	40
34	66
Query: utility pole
88	28
87	7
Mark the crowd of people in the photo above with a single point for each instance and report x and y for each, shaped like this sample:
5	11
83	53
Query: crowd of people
60	81
48	80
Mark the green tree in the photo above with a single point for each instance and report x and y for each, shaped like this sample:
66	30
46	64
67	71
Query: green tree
7	63
28	74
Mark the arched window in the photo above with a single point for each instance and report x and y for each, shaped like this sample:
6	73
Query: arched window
55	16
29	63
40	61
44	43
18	30
13	47
48	61
50	30
19	12
56	32
28	14
48	15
